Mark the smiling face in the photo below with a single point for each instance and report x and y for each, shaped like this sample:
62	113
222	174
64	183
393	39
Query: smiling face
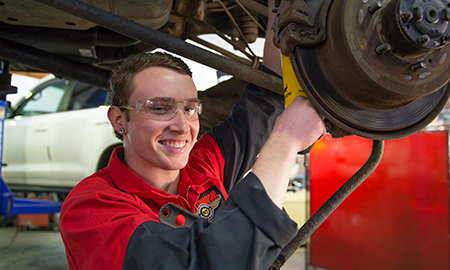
159	145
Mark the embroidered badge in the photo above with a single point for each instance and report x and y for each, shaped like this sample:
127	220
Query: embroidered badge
208	202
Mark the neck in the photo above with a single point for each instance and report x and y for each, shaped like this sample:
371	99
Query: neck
166	180
172	188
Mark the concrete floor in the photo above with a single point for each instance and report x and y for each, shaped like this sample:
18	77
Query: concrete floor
43	249
35	249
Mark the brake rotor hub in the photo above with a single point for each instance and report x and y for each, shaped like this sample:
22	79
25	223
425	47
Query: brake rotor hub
383	68
423	25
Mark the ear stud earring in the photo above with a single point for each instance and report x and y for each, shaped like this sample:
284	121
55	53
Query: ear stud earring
121	130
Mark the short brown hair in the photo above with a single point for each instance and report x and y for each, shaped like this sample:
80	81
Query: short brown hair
122	78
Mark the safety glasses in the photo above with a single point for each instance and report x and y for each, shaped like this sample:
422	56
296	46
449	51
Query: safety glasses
165	109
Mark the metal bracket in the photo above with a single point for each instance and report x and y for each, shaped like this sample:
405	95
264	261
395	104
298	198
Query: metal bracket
5	80
175	216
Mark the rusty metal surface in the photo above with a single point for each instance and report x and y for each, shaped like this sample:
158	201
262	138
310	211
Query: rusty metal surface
382	80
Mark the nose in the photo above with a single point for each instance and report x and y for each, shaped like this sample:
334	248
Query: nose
179	122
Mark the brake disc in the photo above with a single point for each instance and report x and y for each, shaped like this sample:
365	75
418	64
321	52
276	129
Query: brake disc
383	70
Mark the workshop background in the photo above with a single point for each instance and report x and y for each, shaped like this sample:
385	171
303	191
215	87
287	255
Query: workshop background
397	219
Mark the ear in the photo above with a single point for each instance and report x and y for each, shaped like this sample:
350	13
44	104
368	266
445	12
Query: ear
116	118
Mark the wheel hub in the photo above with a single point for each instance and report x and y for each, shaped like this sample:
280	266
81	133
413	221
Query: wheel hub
383	70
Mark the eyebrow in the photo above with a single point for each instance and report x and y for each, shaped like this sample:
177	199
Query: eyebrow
189	99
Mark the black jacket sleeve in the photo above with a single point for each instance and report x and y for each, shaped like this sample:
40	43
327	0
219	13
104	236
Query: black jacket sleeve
248	232
241	136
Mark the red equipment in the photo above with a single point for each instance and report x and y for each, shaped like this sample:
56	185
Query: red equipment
397	219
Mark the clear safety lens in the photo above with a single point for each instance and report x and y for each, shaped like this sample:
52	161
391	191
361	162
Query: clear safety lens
165	109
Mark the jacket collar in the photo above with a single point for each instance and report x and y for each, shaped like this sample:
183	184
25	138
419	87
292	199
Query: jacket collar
128	181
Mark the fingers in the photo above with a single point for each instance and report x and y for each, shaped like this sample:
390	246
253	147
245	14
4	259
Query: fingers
302	123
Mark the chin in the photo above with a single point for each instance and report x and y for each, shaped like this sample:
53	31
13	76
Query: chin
177	165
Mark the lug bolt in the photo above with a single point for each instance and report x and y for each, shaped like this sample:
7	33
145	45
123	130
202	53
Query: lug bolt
407	16
446	38
446	14
418	14
374	7
383	48
417	66
424	39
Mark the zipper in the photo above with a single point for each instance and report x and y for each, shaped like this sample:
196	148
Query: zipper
182	199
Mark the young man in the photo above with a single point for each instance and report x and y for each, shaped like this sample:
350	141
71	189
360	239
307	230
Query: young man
111	220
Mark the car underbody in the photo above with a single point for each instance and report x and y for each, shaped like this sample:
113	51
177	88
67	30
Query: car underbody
37	37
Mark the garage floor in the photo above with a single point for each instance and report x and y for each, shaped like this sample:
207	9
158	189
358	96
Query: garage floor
43	249
35	249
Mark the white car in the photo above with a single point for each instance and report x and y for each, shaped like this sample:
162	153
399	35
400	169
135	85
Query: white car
57	135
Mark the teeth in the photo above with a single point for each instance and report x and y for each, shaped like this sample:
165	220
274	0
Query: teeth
175	144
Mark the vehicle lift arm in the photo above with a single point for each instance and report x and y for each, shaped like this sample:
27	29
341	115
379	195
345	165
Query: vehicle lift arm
9	204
